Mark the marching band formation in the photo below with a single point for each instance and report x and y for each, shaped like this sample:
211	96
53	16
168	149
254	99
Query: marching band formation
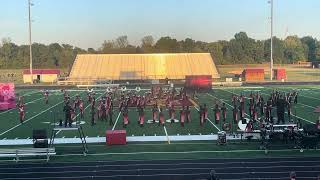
259	109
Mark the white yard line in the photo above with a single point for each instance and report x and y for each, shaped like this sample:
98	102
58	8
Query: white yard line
32	92
209	120
165	130
58	132
31	118
114	126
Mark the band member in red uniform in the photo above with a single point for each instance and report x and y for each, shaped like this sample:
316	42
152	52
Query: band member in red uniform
217	113
20	100
46	96
154	113
201	115
251	110
235	114
93	122
161	118
125	115
182	117
249	127
289	108
81	108
255	113
205	110
172	114
141	116
21	113
89	97
188	114
73	113
318	124
234	99
224	112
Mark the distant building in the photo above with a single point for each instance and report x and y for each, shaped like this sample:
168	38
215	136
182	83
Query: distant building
41	75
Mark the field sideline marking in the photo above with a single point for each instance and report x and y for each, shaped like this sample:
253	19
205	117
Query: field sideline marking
209	120
32	118
285	112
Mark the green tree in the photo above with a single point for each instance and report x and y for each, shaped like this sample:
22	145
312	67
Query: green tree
167	45
294	50
310	47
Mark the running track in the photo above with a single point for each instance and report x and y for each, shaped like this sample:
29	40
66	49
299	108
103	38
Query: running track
265	168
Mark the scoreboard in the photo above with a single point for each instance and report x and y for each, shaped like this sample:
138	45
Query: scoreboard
203	82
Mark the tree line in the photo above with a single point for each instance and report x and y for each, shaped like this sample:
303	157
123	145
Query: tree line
241	49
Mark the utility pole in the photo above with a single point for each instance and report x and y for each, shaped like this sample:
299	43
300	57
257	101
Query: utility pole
271	40
30	41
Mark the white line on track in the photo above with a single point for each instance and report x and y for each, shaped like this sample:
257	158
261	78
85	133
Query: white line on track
289	164
184	152
32	118
163	169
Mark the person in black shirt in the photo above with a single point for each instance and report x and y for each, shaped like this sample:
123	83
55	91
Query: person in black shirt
67	109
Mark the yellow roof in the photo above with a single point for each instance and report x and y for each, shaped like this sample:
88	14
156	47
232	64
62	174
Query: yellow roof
142	66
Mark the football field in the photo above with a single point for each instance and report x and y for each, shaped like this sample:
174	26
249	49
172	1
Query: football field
40	115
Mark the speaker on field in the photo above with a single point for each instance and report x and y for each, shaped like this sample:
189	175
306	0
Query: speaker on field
40	139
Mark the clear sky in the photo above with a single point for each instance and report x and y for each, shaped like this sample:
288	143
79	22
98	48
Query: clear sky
86	23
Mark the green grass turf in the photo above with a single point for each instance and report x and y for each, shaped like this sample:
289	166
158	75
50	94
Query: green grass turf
308	99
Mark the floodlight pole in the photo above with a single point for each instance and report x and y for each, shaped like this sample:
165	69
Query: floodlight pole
30	42
271	40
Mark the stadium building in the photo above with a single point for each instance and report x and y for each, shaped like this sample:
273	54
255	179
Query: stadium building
90	68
